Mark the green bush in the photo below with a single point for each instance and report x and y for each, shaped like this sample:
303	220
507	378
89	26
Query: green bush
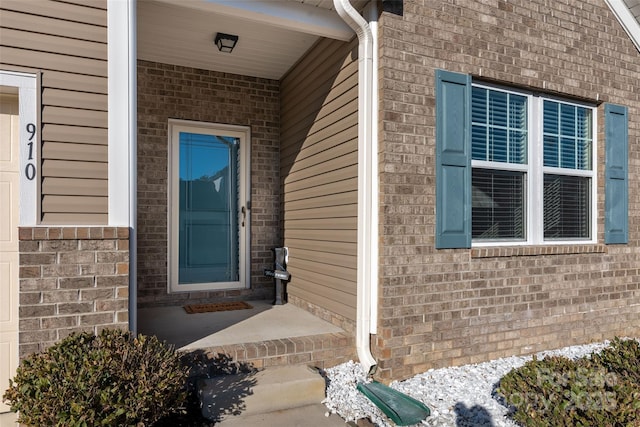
110	379
603	390
621	358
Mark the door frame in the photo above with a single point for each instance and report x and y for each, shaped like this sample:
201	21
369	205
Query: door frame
29	151
25	149
243	133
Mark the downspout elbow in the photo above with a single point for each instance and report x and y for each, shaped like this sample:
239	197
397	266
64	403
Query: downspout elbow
354	20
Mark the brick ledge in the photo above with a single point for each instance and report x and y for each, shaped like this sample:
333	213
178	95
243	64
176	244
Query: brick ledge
72	233
511	251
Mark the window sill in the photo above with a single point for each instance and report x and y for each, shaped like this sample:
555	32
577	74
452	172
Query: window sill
511	251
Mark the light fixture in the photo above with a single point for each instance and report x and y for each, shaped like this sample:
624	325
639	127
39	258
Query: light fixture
225	42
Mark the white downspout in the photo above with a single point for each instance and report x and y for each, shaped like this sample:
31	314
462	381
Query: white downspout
367	265
122	134
133	166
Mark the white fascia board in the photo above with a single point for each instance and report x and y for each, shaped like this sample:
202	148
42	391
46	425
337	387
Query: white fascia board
121	110
627	20
286	15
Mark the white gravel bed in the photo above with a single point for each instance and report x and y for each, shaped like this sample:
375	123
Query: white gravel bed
458	396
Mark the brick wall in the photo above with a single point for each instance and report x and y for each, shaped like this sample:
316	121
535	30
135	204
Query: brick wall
449	307
168	91
71	279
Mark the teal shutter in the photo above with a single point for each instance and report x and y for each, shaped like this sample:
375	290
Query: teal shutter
453	160
616	210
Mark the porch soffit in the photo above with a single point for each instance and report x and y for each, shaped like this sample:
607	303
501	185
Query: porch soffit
273	34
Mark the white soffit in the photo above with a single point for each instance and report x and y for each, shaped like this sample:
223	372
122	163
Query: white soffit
273	34
289	15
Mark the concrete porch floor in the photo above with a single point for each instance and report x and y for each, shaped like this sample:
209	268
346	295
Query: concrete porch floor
8	419
263	322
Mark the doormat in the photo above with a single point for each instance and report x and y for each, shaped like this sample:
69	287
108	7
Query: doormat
218	306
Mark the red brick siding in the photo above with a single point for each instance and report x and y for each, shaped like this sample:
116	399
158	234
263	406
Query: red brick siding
448	307
71	279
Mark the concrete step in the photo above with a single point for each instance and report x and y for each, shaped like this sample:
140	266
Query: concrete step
304	416
269	390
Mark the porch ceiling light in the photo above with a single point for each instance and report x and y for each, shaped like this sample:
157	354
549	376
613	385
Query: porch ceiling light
225	42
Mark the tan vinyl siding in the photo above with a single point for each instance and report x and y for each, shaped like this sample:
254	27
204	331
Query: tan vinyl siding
89	12
84	83
77	204
59	27
67	43
76	187
80	135
319	173
86	152
71	99
73	169
61	45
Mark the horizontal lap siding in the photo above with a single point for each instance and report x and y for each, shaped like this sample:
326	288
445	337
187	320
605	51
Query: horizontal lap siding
319	176
67	43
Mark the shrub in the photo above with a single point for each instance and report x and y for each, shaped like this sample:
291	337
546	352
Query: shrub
110	379
621	358
597	391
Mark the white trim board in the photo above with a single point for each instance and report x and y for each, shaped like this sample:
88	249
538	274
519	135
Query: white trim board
29	143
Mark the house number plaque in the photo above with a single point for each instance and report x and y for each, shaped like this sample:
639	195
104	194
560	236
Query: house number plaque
30	168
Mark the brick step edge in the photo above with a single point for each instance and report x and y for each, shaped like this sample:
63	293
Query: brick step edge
321	351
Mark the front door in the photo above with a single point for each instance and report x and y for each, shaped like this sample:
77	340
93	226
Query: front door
209	215
9	180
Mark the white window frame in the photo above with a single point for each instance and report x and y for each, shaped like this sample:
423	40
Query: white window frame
244	134
535	171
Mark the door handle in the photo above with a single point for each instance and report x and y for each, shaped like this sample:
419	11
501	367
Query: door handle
244	214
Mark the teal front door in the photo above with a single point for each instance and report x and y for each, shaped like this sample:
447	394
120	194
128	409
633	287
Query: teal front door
209	209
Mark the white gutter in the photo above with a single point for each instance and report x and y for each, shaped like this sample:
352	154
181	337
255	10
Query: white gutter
367	264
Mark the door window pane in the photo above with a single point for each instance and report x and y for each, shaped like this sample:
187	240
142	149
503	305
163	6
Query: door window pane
208	209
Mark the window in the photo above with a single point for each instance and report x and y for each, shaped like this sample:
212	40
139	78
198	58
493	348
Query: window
517	168
499	152
510	132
